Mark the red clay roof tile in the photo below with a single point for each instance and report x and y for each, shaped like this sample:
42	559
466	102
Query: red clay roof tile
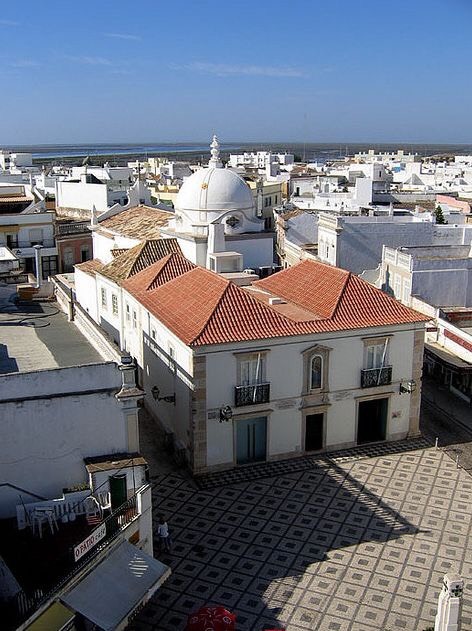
200	307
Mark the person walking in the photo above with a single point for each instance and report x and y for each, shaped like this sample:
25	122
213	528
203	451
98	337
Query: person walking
163	534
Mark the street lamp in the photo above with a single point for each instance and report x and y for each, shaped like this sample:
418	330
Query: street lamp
226	414
408	387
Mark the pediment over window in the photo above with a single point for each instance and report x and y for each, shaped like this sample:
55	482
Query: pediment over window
317	348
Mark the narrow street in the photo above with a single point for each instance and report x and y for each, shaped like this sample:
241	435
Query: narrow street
450	420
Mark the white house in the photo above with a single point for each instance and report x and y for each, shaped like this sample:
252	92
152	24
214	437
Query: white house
355	243
99	191
126	229
309	359
438	282
24	223
98	285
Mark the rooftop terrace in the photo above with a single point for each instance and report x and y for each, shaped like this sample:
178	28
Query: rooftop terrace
37	336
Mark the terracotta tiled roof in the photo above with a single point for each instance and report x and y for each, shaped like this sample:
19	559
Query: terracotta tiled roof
5	199
140	257
201	307
338	296
315	287
90	267
139	222
161	272
117	251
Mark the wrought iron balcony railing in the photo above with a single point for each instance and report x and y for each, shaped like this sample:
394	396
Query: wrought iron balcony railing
252	394
372	377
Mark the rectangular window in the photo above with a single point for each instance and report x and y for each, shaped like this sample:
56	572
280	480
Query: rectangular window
135	320
376	354
12	240
406	292
36	236
49	266
153	334
114	304
103	293
128	316
251	369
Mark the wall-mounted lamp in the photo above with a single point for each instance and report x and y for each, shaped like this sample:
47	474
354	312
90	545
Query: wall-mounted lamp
170	398
408	387
226	414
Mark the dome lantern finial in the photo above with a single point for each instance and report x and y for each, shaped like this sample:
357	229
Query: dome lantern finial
215	153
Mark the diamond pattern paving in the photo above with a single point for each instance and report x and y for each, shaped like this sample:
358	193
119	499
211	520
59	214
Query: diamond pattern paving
354	541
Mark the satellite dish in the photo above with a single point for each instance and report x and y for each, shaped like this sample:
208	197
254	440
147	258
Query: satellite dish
86	161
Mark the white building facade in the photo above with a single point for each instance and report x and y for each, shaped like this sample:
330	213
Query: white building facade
231	395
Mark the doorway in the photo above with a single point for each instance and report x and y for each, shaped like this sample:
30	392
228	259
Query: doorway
372	421
314	425
251	440
118	490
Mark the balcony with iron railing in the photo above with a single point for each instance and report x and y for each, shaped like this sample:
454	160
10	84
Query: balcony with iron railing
48	561
372	377
46	243
251	394
65	229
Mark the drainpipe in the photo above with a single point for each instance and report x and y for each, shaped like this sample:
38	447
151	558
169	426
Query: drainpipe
39	267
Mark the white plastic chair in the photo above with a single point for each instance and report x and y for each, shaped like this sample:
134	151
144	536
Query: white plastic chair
40	516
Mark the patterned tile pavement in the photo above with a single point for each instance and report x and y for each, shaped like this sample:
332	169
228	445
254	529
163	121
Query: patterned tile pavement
357	541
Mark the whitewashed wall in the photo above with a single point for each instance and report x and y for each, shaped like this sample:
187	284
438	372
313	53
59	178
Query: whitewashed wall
109	321
82	195
346	361
62	419
86	292
103	245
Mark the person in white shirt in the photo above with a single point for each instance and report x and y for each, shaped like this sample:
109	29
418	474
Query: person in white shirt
163	534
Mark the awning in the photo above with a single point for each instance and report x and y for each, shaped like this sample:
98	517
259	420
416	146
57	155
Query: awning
55	618
446	356
110	593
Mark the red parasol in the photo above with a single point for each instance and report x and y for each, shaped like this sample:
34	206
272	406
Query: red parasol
211	619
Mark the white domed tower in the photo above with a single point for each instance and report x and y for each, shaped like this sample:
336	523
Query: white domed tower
216	195
215	209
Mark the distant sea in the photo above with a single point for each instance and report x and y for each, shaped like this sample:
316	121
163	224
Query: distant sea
313	152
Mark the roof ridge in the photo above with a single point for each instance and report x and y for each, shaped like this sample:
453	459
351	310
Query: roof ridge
124	256
163	262
136	257
228	284
341	295
251	302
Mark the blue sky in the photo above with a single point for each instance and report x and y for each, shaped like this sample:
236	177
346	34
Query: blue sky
259	70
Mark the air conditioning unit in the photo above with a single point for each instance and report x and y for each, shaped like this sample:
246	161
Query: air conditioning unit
249	271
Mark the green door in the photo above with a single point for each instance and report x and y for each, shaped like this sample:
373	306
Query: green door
251	440
118	490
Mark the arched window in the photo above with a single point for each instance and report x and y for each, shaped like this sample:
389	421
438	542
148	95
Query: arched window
316	372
